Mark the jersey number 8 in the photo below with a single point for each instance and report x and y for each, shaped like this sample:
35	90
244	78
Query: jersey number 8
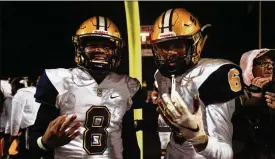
95	136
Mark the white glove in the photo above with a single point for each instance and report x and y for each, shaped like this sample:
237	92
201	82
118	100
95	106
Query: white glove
175	112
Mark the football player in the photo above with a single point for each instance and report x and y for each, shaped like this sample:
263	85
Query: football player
23	115
86	111
196	95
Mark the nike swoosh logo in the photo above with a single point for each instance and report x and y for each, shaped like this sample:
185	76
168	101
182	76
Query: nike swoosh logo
197	129
112	97
187	24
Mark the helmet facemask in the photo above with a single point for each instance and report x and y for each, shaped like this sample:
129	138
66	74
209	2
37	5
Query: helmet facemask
97	52
175	55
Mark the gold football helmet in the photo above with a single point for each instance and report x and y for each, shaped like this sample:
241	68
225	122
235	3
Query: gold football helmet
97	44
177	40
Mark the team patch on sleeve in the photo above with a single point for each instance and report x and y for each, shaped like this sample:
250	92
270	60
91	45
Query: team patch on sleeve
222	85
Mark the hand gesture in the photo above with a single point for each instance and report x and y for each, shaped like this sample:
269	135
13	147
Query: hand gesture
175	111
57	134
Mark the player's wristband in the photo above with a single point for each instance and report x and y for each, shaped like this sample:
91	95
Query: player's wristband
40	144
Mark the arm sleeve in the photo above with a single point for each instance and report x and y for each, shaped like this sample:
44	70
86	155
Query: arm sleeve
130	144
139	99
135	92
222	85
45	115
218	94
46	95
220	130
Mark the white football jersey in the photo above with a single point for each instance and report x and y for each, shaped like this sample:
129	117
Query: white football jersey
24	109
217	117
5	87
99	109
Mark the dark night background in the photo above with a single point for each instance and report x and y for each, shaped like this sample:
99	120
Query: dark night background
37	35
